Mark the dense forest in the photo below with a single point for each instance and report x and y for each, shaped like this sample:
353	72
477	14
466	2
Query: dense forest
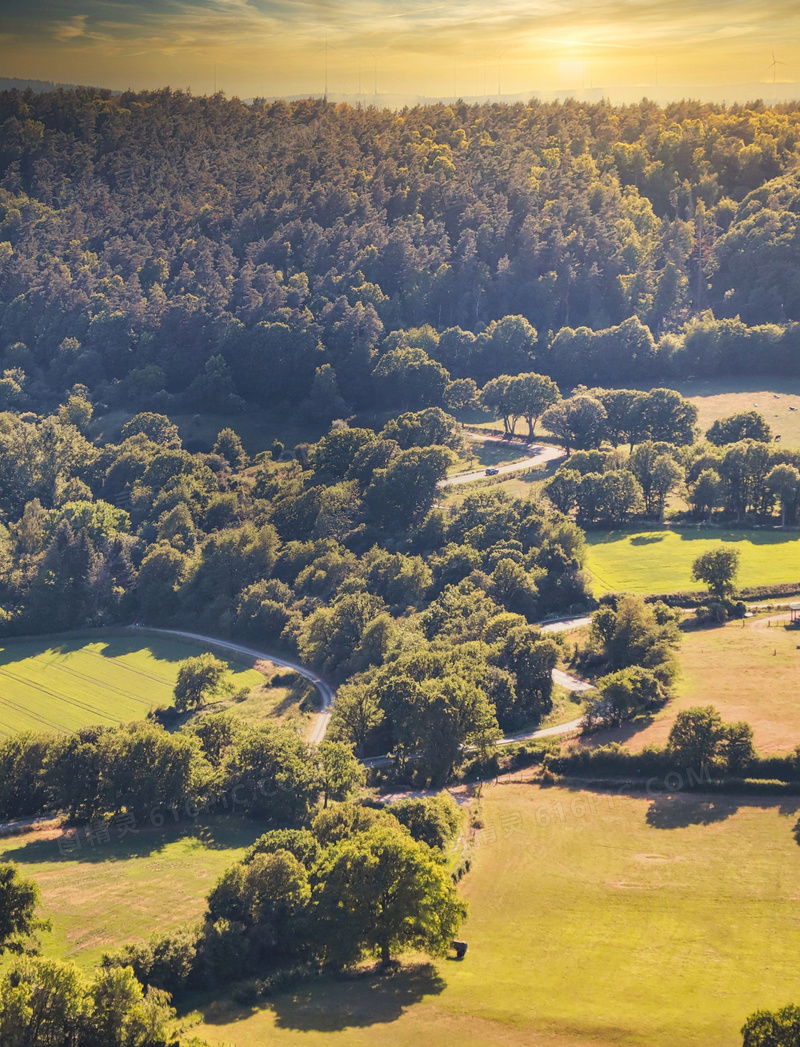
175	252
369	272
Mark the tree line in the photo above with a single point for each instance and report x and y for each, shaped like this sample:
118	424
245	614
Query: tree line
141	774
738	471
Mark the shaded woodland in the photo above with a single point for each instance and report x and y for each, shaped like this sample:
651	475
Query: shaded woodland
178	253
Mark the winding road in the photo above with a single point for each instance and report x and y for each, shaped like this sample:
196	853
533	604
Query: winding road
543	454
327	693
324	690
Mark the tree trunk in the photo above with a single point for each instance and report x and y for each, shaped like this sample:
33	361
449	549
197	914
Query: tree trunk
385	957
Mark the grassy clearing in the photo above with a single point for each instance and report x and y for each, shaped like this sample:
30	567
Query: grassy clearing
567	705
660	560
773	397
123	890
594	920
748	670
61	685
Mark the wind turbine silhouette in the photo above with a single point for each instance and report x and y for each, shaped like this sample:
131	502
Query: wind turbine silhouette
325	48
374	58
774	66
500	58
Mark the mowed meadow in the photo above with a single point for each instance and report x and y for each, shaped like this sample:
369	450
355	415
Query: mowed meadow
748	670
595	919
659	560
64	684
123	888
776	398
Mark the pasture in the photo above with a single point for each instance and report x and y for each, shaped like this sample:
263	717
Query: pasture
772	397
749	670
660	560
102	895
595	919
62	684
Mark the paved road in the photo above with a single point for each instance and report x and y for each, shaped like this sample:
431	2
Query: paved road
543	454
327	693
544	732
565	624
324	690
570	682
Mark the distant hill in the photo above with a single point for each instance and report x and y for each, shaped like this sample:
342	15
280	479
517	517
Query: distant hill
39	87
663	94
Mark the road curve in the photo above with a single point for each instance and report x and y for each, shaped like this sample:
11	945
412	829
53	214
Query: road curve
327	694
544	454
325	691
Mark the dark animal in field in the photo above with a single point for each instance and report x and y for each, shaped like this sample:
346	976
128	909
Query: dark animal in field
460	948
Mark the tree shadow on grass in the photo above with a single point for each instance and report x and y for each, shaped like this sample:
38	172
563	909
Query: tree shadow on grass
13	650
622	734
369	998
647	539
73	845
300	692
678	812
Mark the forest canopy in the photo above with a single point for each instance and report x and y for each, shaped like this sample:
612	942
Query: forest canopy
162	250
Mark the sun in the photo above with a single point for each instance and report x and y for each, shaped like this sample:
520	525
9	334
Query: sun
571	71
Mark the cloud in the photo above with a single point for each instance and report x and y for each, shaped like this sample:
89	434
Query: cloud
413	24
281	38
74	27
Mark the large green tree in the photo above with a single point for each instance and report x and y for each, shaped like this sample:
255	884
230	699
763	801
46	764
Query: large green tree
18	901
383	892
718	569
200	678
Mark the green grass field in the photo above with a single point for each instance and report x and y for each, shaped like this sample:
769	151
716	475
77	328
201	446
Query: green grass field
595	919
747	669
660	561
716	398
61	685
772	397
101	897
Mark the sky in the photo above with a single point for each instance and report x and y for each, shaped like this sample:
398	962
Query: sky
442	48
